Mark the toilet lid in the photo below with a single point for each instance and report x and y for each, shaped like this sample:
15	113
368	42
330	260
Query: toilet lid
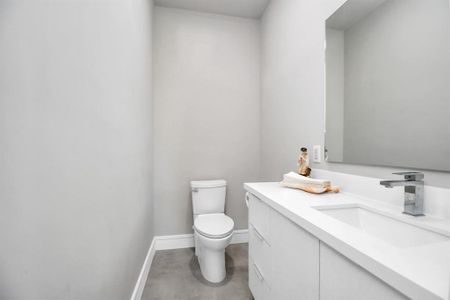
214	225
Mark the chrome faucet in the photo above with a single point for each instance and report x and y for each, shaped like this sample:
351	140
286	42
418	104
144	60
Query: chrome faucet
413	184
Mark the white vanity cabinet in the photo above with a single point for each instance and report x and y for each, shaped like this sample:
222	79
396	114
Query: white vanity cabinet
283	258
341	279
259	249
287	262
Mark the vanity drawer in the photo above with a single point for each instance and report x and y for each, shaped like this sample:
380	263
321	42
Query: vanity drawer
258	216
257	282
260	251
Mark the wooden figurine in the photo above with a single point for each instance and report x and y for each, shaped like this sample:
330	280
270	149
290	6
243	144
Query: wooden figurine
303	163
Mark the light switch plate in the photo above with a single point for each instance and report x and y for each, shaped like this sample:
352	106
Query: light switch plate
317	153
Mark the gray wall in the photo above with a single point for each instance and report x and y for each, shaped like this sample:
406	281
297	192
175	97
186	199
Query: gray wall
293	88
206	108
397	70
75	148
293	85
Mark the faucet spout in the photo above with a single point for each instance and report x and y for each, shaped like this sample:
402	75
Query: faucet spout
414	186
393	183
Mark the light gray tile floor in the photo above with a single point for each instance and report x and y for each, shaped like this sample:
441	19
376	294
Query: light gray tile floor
175	275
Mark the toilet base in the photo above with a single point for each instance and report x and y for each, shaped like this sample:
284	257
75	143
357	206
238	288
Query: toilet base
212	265
211	257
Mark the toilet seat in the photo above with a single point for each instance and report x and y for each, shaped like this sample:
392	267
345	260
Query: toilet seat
214	226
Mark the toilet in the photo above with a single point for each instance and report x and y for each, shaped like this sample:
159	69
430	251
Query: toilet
213	229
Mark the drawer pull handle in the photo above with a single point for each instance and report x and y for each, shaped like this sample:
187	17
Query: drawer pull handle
258	235
258	272
247	199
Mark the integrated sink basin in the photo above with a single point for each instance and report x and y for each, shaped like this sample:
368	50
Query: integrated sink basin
389	229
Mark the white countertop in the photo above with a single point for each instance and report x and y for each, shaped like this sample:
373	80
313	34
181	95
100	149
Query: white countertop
420	272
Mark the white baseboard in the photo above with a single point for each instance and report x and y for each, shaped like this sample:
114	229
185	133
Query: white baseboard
169	242
142	279
240	236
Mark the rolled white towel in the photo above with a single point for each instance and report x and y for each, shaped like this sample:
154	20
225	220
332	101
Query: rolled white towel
310	185
295	178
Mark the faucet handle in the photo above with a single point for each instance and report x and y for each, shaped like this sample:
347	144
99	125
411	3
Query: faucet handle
411	175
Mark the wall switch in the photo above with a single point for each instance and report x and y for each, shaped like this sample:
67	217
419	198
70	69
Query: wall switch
317	153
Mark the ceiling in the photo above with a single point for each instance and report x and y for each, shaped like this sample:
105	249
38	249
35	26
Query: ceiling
351	12
238	8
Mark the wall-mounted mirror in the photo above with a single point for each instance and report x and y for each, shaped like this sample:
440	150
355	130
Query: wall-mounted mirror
388	83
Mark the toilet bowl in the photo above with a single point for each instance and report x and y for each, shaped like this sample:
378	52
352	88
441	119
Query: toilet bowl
213	230
210	249
212	233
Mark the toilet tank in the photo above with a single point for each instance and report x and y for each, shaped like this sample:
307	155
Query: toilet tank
208	196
